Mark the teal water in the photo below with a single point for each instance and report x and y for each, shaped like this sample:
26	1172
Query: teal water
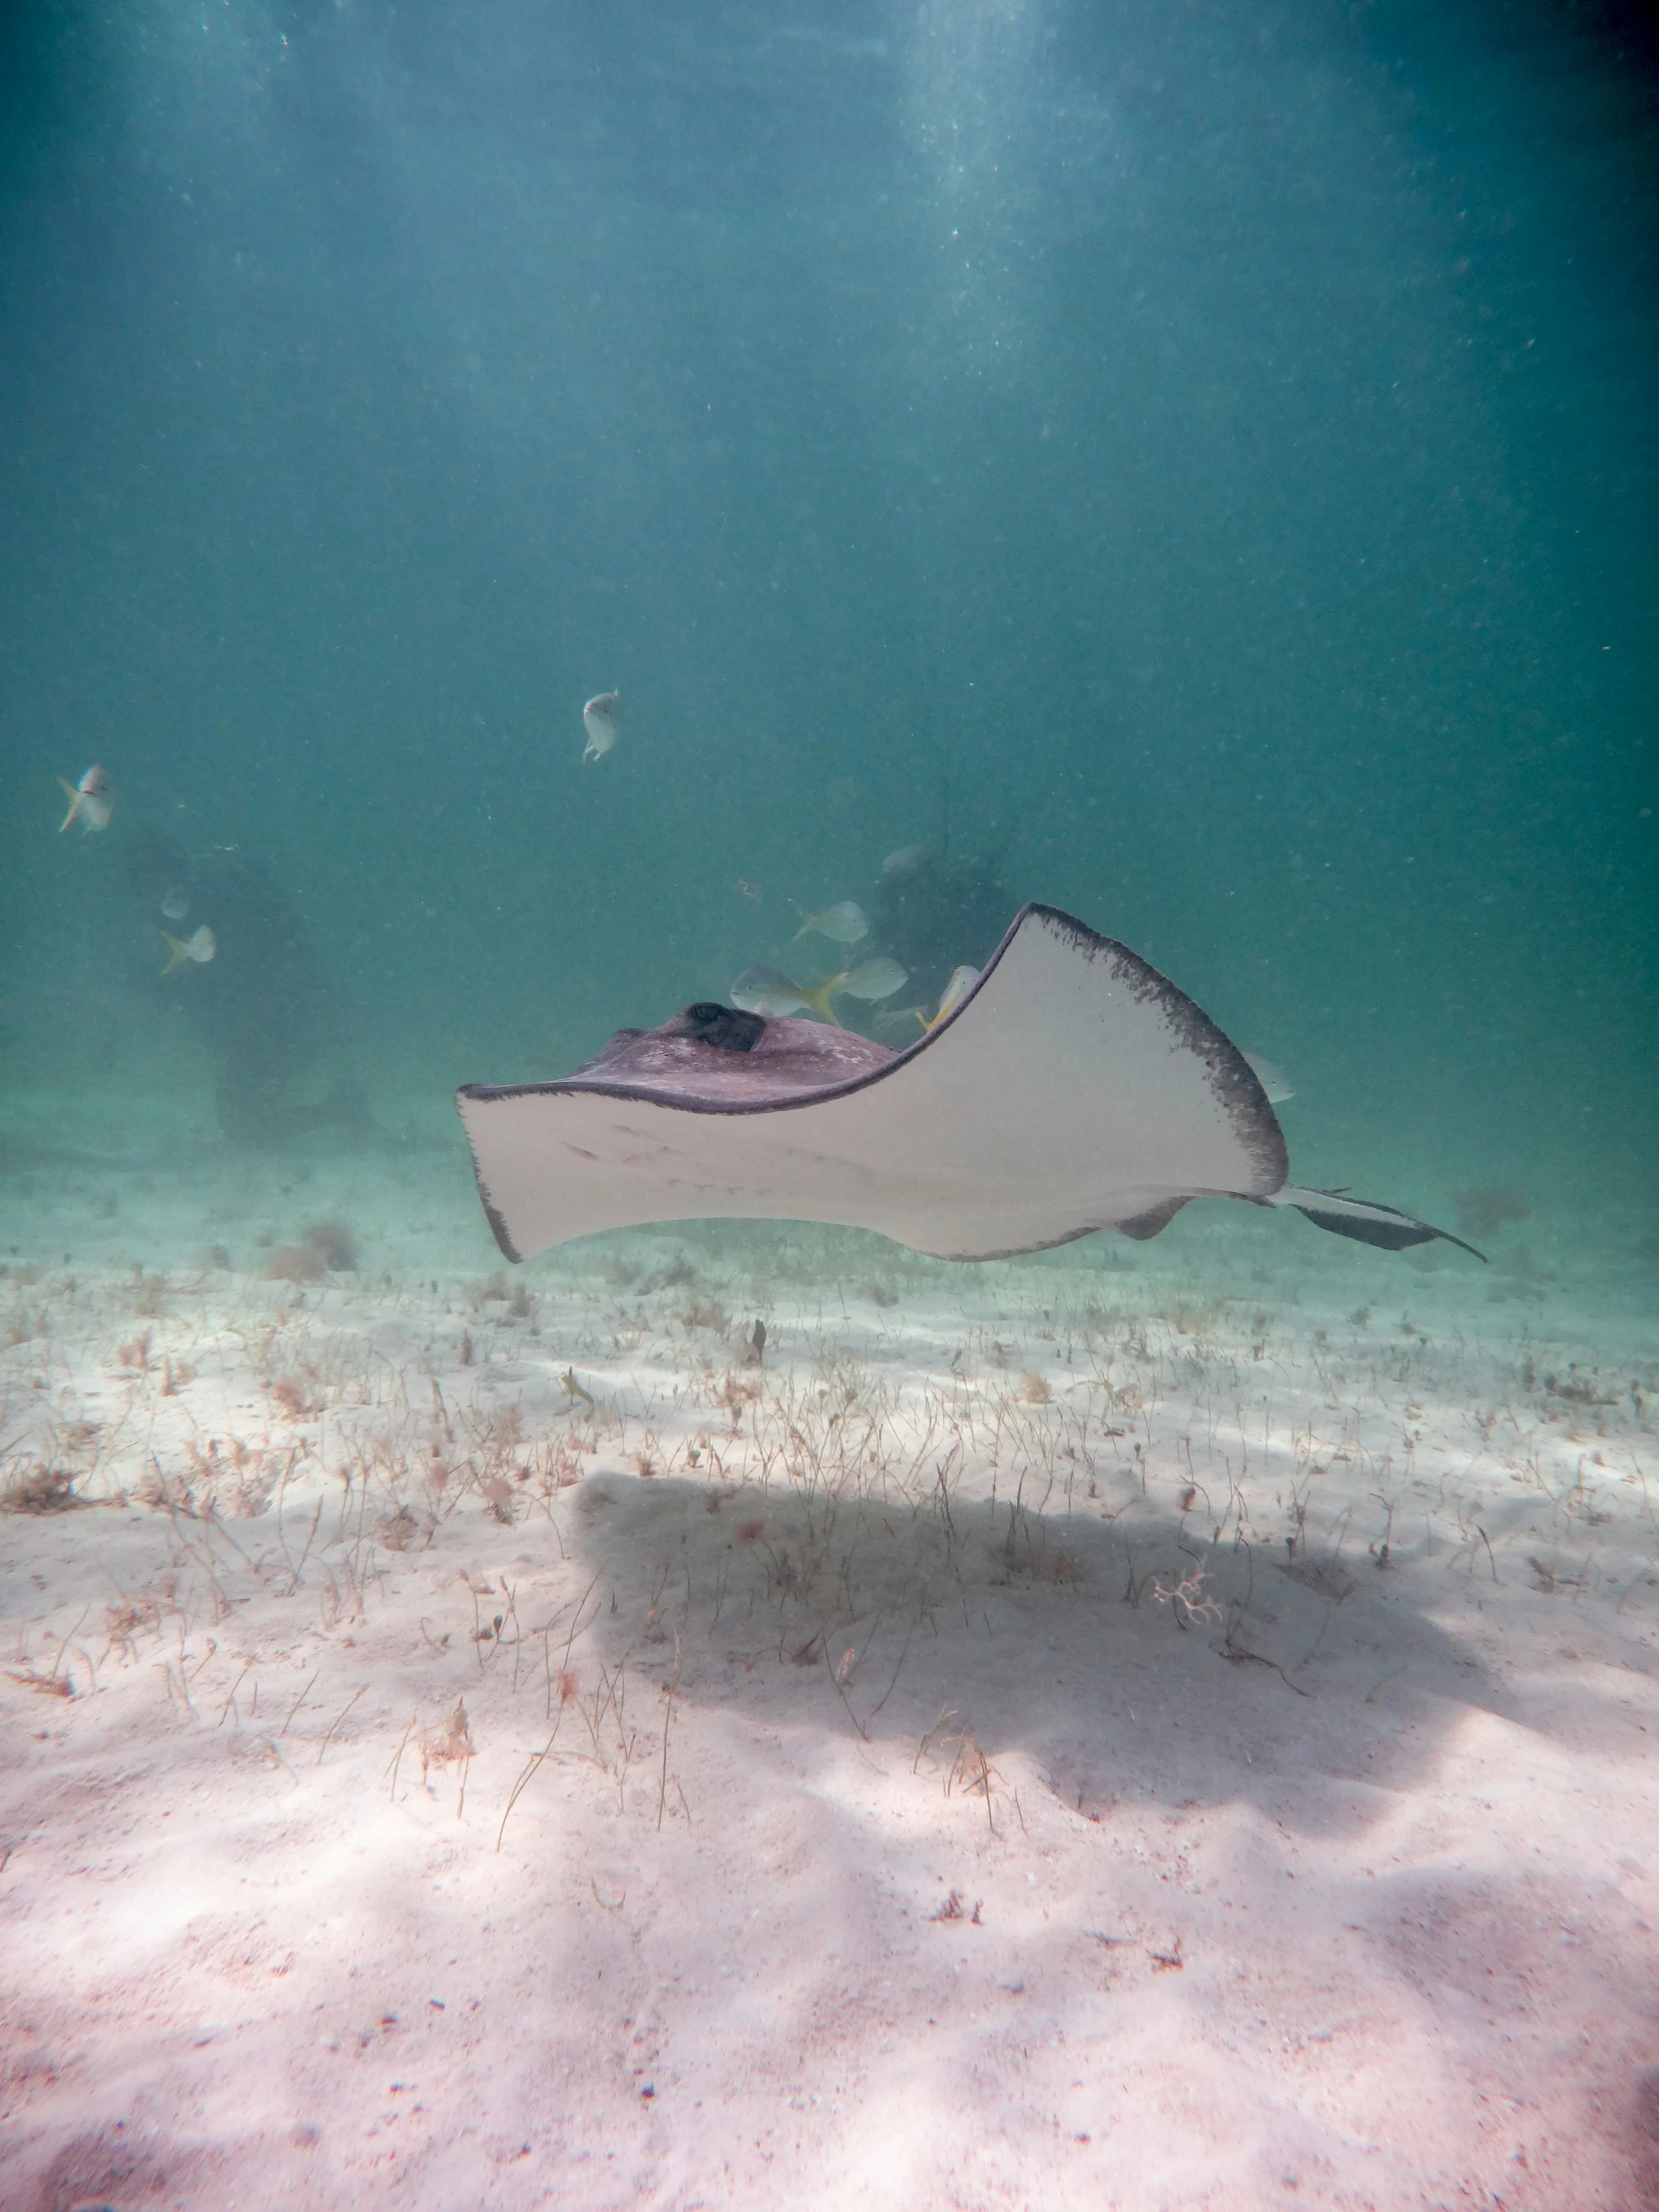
1198	463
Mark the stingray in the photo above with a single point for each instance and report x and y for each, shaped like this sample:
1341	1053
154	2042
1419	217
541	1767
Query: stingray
1072	1089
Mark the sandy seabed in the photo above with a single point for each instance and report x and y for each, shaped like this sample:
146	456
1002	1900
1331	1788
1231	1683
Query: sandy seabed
1156	1728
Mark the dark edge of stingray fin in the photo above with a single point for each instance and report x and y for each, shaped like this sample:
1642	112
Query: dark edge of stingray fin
1153	1222
492	1212
1366	1222
508	1249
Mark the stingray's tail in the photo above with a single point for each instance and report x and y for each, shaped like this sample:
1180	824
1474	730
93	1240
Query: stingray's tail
1366	1222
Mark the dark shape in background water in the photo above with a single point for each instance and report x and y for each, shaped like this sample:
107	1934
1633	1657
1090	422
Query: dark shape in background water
262	1008
1220	440
938	914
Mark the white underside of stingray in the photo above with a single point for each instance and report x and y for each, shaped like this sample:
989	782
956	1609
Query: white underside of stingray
1072	1089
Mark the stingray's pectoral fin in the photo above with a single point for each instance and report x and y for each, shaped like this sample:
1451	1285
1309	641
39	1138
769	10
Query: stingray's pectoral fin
1366	1222
1151	1223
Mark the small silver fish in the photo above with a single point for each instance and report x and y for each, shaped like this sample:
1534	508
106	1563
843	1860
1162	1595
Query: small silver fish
177	902
91	801
843	923
879	978
961	981
200	948
602	720
764	990
909	860
1274	1081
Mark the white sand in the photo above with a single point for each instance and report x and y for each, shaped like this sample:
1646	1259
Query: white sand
972	1871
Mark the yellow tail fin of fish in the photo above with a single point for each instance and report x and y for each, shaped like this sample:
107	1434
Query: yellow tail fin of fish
74	804
818	998
178	953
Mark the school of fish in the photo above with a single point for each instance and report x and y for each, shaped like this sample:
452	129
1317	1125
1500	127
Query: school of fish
758	989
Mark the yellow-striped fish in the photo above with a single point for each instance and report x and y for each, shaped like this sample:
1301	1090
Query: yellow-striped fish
762	990
843	923
91	801
962	981
200	948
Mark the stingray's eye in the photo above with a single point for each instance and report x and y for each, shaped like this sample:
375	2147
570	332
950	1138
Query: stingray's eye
727	1028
